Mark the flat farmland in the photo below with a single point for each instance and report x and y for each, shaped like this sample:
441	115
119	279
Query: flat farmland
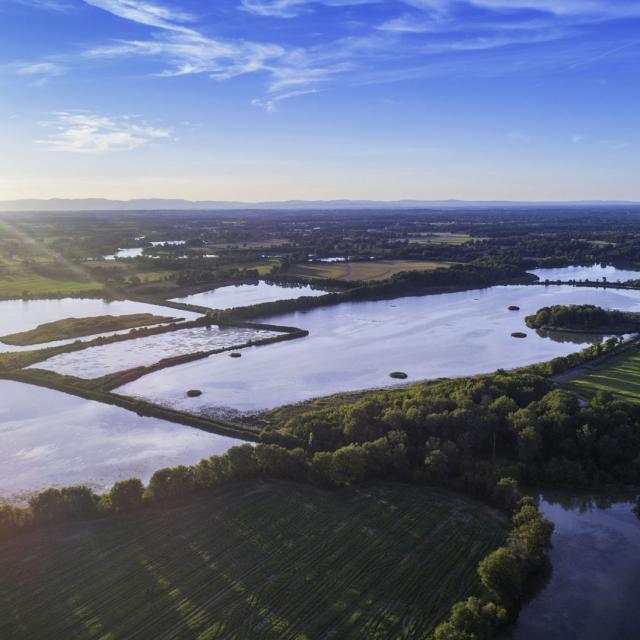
252	560
443	238
619	375
363	271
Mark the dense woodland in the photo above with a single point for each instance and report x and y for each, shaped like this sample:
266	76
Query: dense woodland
583	317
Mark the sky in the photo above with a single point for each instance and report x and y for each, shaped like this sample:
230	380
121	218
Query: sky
256	100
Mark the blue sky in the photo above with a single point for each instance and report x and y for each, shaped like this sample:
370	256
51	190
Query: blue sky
276	99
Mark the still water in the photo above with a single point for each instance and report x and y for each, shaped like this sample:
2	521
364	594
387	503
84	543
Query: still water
594	589
59	440
593	273
125	253
355	345
244	295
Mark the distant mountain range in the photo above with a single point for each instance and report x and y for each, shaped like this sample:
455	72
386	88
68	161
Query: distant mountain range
159	204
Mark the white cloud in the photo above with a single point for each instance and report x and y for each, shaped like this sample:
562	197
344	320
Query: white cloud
270	103
293	8
147	13
39	73
89	133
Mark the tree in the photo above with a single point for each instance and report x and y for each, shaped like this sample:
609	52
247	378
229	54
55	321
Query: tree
472	619
49	506
242	461
126	495
501	573
348	465
170	483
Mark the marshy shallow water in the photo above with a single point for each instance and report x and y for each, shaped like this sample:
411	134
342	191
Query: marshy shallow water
106	359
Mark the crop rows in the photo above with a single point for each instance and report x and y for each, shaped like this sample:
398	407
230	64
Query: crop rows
252	560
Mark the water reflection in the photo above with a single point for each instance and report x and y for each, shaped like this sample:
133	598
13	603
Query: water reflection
244	295
60	440
355	345
594	588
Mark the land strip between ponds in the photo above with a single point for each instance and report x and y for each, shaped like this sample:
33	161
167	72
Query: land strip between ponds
78	387
13	360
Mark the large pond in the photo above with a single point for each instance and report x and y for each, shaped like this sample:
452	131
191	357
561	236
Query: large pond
593	273
247	294
60	440
355	346
125	253
105	359
23	315
594	589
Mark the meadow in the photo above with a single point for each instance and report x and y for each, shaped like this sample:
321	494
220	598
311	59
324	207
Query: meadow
443	237
253	559
619	375
363	271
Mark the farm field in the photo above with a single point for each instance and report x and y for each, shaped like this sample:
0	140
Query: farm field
35	285
362	271
619	375
252	560
443	238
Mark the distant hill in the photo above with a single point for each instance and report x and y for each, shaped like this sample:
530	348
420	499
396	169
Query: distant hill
160	204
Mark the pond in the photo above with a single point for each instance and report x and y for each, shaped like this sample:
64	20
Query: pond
356	345
125	253
23	315
594	589
160	243
595	272
62	440
144	351
244	295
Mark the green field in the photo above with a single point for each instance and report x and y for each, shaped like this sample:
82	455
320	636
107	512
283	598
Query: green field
35	285
443	238
619	375
363	271
252	560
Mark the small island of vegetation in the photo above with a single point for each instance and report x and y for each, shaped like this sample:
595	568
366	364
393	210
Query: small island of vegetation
400	375
584	317
518	334
69	328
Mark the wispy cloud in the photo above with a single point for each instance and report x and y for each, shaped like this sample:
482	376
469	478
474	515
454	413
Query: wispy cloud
615	145
89	133
49	5
270	103
40	73
426	38
147	13
293	8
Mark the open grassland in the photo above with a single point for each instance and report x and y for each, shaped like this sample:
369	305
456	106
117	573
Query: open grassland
252	560
363	271
619	375
13	286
